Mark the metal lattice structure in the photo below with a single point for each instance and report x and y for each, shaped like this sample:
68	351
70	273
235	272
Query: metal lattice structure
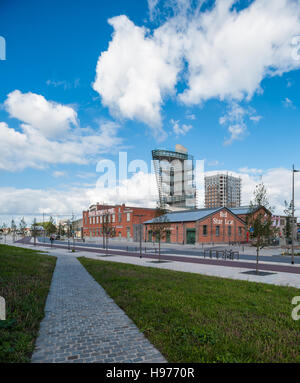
174	172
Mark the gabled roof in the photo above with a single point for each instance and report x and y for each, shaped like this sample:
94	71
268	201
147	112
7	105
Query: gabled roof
191	215
246	209
240	209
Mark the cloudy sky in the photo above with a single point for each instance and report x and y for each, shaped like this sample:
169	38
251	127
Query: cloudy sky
82	83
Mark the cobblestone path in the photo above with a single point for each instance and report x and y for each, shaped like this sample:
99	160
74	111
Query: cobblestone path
82	324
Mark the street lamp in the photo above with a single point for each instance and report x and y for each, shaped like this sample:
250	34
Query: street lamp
293	211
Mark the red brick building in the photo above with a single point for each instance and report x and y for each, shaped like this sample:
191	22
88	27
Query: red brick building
124	220
217	225
202	226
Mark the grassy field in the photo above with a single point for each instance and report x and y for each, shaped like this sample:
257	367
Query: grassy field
25	279
194	318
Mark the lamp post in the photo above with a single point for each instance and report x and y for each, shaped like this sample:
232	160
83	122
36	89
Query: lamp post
293	211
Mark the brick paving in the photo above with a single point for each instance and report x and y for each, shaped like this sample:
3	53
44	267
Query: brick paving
82	324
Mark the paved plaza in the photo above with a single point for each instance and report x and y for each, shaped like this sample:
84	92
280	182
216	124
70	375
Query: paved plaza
82	324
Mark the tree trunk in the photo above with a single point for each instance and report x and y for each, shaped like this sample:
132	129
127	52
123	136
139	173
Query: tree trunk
159	250
257	257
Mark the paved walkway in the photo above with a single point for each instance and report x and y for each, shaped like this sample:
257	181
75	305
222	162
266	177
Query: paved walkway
82	324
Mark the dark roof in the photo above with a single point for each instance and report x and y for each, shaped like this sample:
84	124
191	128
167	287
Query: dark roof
240	209
198	214
188	215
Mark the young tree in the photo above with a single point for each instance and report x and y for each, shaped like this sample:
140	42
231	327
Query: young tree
4	231
288	211
13	228
160	225
34	230
61	230
260	220
107	228
49	226
22	226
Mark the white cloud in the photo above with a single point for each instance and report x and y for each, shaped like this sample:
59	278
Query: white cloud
34	144
48	117
227	54
134	73
180	130
58	174
213	163
287	103
29	148
190	116
255	118
63	83
139	190
251	170
278	184
235	120
152	4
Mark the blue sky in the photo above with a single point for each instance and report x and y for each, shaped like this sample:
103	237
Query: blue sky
238	108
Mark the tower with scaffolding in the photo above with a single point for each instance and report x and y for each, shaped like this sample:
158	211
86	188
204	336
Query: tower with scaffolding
174	171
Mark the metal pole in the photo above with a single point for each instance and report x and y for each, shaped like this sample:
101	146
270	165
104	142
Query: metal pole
293	214
44	227
140	239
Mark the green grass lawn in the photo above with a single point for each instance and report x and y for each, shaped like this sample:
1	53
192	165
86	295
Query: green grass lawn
195	318
25	278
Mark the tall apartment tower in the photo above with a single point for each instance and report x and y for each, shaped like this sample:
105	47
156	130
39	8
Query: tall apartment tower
222	190
175	178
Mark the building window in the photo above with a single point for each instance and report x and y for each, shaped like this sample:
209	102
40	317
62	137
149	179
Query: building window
229	231
120	217
113	218
128	217
90	220
217	231
101	218
240	231
204	229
